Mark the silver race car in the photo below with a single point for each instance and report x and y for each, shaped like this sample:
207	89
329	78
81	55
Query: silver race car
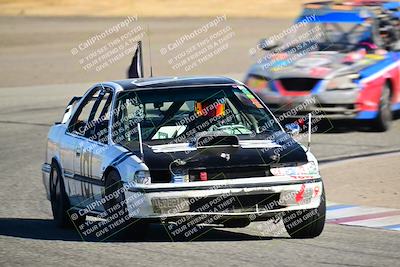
179	151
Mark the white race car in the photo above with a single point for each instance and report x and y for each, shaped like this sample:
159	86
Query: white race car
180	151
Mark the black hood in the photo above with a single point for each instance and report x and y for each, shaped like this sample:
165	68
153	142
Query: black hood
251	153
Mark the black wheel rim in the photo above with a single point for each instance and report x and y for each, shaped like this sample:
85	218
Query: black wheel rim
56	203
111	188
385	109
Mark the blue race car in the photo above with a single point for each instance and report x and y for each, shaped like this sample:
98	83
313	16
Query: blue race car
344	65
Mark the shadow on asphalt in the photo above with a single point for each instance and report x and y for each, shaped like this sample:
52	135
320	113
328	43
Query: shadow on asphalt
42	229
343	126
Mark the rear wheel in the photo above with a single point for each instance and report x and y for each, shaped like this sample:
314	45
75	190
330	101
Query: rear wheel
131	229
384	117
59	199
306	223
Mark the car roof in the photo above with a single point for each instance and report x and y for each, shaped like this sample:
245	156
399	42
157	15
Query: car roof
336	12
352	4
168	82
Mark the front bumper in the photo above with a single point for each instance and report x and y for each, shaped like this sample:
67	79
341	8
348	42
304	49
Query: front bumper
325	105
263	197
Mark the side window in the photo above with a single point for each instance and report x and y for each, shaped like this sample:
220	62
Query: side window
100	117
79	122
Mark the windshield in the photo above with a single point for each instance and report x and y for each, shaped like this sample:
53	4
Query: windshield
346	33
180	114
333	36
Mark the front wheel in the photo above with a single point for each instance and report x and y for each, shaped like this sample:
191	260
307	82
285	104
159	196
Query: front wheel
117	208
384	117
306	223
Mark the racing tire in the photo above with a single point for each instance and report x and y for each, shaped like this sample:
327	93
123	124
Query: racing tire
385	115
131	229
306	223
58	198
236	223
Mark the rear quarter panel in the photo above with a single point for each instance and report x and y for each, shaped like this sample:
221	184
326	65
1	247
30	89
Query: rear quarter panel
53	143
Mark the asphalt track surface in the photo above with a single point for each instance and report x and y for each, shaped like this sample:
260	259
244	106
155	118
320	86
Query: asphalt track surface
39	75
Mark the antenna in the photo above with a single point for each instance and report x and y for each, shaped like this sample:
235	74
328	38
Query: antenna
309	132
140	141
149	43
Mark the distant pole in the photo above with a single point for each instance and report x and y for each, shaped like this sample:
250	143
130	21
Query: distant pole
140	141
149	43
309	132
140	59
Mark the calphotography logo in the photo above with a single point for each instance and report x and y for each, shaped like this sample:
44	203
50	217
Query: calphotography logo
110	46
200	45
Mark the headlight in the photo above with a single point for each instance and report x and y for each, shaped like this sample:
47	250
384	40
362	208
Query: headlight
142	177
343	82
305	171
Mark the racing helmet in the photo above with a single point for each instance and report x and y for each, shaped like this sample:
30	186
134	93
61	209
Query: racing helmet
210	108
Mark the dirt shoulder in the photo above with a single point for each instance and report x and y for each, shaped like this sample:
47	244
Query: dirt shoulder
152	8
372	181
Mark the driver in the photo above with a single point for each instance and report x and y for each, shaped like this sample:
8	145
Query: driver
210	108
207	112
387	36
367	39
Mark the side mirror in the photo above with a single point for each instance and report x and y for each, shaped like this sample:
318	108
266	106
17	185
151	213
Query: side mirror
292	129
268	44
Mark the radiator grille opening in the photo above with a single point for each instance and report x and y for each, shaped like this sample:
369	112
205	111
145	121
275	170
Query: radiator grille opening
230	173
299	84
164	176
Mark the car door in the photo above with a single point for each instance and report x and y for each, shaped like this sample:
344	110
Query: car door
76	134
90	152
96	145
68	144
